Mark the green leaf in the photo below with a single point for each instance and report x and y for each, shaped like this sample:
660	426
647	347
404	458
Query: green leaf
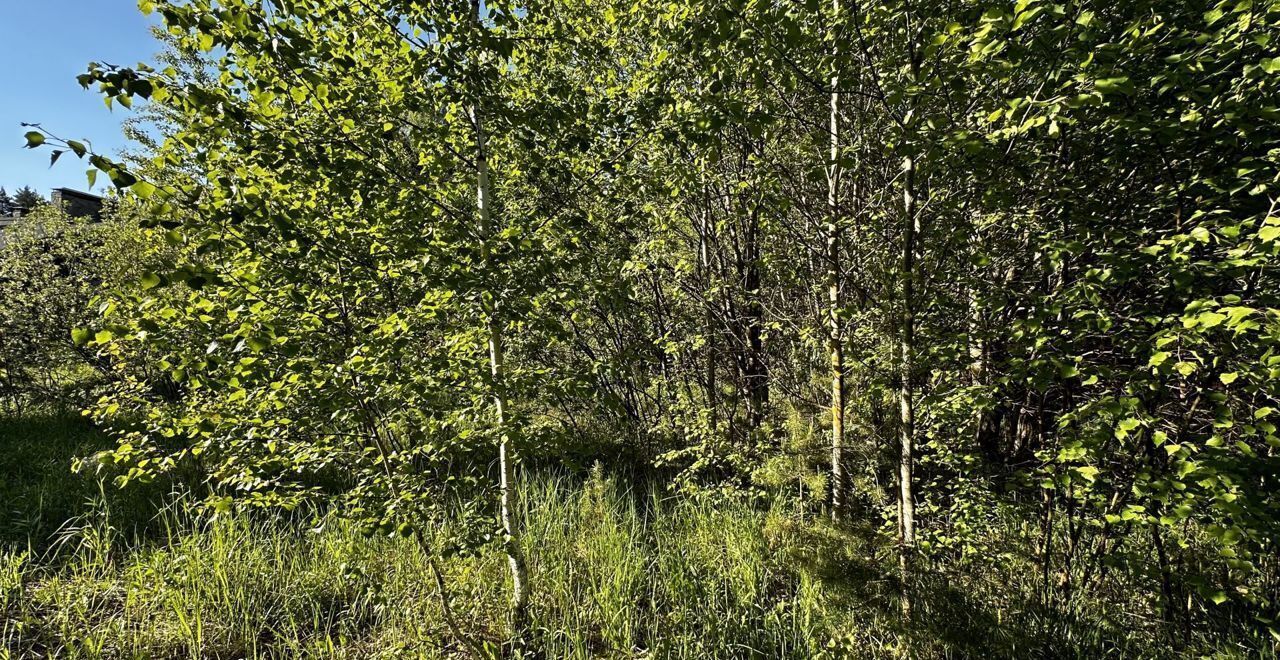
1126	426
1211	319
121	178
1117	85
81	336
34	139
1026	17
143	189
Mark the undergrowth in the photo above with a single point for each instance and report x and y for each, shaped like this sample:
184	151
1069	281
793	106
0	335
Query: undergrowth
618	573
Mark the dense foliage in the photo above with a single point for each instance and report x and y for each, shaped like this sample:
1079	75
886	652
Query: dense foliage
51	269
997	281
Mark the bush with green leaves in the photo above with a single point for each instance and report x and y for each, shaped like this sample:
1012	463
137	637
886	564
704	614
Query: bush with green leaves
351	262
52	267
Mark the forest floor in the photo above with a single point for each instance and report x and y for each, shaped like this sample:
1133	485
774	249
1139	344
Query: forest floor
87	571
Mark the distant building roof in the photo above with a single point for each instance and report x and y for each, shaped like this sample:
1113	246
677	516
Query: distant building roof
76	203
70	192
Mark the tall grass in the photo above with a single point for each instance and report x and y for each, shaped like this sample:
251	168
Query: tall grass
617	573
626	574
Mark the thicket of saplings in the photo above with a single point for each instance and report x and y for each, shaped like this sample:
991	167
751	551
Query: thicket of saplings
610	329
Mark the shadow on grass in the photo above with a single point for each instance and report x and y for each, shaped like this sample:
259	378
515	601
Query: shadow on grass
952	615
41	495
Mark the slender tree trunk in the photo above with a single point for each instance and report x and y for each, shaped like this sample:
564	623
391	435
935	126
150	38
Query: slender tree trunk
510	531
704	263
446	609
835	345
1166	577
757	375
987	421
906	393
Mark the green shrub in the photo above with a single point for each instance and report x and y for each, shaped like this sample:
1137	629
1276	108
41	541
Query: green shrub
51	268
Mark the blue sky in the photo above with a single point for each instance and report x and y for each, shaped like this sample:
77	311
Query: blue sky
44	45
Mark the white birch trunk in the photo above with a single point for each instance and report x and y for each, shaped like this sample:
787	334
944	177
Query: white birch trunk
835	346
906	392
510	530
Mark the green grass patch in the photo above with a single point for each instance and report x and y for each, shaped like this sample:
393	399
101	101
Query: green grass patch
617	573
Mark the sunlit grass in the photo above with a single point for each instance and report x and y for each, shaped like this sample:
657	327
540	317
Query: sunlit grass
617	573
